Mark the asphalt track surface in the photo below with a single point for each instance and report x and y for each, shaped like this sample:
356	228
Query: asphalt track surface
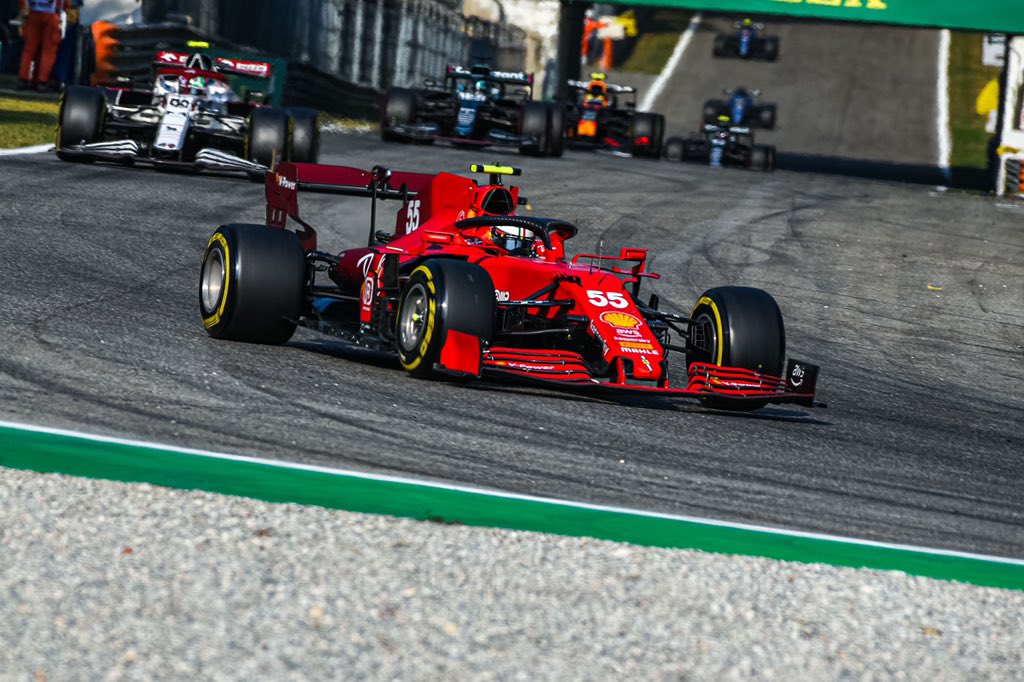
853	99
922	443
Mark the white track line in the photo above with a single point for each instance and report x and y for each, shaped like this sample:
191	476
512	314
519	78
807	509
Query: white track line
280	464
647	103
34	149
942	105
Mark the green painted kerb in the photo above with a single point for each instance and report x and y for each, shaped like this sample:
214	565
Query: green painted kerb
49	453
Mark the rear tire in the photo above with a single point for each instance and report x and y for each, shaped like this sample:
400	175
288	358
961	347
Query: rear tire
675	149
556	130
399	109
771	49
769	160
534	122
305	137
743	328
441	295
711	109
251	284
266	140
81	114
767	116
645	125
719	47
758	158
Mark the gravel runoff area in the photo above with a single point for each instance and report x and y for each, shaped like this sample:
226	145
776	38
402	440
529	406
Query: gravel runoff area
102	580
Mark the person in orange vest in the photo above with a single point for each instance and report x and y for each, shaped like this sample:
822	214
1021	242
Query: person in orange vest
40	27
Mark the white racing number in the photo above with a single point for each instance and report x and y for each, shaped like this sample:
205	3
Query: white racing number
602	299
412	216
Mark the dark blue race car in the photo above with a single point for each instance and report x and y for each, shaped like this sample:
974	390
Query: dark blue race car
746	42
475	107
742	109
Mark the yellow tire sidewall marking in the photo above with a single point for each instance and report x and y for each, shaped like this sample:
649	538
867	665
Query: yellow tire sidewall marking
719	339
219	238
429	333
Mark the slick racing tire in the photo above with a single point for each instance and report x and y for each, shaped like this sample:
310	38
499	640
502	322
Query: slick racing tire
711	109
80	118
659	135
556	130
720	46
766	116
675	149
266	140
304	142
647	126
535	122
770	49
399	109
440	296
251	284
762	157
737	327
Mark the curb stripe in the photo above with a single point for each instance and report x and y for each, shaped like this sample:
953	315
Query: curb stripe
647	103
48	450
34	149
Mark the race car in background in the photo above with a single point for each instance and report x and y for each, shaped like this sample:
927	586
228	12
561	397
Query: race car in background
474	107
722	144
603	115
742	109
460	286
746	42
189	118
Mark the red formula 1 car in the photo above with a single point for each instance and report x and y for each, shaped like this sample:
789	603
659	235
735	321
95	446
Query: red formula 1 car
463	287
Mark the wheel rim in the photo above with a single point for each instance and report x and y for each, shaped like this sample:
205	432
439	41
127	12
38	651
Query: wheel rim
413	318
709	351
214	276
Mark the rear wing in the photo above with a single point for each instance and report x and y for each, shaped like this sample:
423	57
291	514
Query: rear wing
283	185
583	85
485	73
234	67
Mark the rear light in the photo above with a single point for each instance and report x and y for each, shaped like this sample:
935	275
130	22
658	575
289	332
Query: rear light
643	139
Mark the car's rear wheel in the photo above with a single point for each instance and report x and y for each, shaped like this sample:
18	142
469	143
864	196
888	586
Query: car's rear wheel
771	49
441	296
644	134
711	109
266	139
757	159
556	130
767	116
304	141
399	109
675	149
81	114
251	284
720	46
535	124
737	327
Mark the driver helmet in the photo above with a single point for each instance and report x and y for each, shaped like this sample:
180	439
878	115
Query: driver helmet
198	82
747	23
480	86
200	62
518	241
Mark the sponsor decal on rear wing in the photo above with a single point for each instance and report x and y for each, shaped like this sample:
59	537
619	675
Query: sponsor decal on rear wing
484	73
227	65
612	87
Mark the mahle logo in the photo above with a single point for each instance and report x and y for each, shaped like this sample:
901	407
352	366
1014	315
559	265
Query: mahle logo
852	4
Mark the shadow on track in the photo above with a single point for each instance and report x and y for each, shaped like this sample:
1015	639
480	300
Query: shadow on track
960	177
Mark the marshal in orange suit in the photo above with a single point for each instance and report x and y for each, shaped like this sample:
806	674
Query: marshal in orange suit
40	28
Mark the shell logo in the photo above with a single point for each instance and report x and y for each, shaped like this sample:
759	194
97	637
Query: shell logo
620	320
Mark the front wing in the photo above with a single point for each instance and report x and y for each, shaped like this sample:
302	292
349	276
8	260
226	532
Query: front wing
568	370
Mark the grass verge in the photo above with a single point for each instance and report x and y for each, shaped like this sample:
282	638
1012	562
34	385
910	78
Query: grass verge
967	76
26	121
659	35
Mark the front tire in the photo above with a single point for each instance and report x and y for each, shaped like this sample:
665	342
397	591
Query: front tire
266	139
440	296
737	327
251	284
304	144
81	115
